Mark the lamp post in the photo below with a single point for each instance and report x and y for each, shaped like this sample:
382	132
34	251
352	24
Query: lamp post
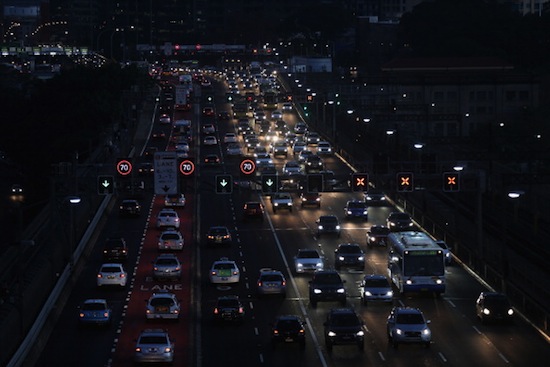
73	201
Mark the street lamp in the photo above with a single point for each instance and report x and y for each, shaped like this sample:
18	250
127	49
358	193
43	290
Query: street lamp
73	201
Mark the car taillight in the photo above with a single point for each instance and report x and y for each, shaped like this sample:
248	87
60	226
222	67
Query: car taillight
241	310
284	283
99	276
216	311
105	314
259	284
122	275
235	272
81	314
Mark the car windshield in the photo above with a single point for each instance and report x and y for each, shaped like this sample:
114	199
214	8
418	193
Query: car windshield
308	255
329	220
409	318
95	306
170	236
356	204
218	231
166	261
289	325
223	266
153	339
376	283
349	249
494	302
328	278
400	216
228	303
167	214
110	269
423	265
345	320
161	301
380	230
271	278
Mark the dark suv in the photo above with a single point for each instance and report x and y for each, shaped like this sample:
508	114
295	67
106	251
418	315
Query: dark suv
326	285
253	209
350	255
343	326
115	249
287	329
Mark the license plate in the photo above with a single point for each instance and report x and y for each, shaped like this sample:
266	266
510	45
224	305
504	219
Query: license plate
288	340
218	240
423	289
110	277
224	278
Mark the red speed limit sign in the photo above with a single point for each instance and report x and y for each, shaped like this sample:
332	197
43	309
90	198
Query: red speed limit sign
247	166
187	167
124	167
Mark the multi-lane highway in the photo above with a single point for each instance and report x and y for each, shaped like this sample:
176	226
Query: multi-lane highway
459	339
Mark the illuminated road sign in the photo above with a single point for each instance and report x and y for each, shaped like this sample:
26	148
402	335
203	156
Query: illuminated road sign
269	184
405	181
224	184
187	167
360	182
247	166
105	185
124	167
451	181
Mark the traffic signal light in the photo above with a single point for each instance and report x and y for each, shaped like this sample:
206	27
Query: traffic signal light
309	98
314	183
269	184
451	181
360	182
405	181
105	185
224	184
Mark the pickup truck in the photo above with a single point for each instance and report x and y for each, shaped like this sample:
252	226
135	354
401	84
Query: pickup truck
281	200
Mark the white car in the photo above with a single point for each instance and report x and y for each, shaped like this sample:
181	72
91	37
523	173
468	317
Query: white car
224	271
111	274
230	138
308	260
210	140
168	218
154	346
276	115
170	240
324	147
162	305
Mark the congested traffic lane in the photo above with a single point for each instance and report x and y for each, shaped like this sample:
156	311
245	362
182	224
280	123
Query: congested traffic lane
447	313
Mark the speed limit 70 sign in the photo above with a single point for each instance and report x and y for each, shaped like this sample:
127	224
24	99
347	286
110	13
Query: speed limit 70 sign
187	167
124	167
247	166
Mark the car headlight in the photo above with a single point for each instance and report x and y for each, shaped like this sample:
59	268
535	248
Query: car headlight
276	204
389	294
398	331
392	224
426	332
317	291
337	227
368	294
341	290
299	265
365	212
341	258
319	265
320	227
360	258
409	282
510	312
360	333
349	212
331	333
438	281
486	311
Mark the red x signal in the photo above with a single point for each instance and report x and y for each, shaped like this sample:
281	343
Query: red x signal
405	181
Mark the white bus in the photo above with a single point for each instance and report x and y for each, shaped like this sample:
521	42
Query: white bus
415	262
